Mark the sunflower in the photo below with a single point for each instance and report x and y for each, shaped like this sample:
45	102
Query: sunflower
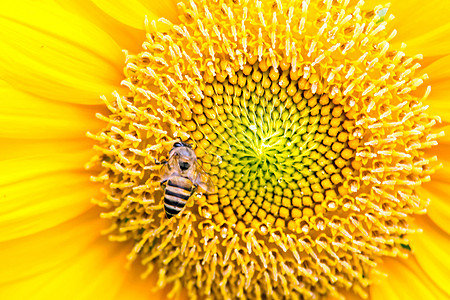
314	120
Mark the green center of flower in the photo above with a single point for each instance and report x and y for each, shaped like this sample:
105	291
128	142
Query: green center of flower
278	150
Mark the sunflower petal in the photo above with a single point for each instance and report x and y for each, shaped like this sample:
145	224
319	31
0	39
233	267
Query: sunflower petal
49	248
133	12
32	205
70	261
94	274
25	160
406	280
47	52
431	252
125	36
422	25
23	116
439	74
432	43
437	189
134	287
442	175
439	209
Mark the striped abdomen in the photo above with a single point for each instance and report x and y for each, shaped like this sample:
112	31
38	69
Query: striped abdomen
177	192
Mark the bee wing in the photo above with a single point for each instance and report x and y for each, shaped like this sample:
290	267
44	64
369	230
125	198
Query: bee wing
203	180
166	170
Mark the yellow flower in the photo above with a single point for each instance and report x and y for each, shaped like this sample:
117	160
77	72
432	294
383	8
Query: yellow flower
309	122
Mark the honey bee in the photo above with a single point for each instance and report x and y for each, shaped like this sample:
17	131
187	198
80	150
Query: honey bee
181	175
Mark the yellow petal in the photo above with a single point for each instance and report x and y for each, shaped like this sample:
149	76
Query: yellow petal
434	42
31	255
431	249
68	262
136	288
32	205
71	261
439	209
96	273
406	280
133	12
26	160
125	36
437	189
53	54
422	25
439	74
23	116
442	151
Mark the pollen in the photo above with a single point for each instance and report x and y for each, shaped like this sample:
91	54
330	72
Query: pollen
306	121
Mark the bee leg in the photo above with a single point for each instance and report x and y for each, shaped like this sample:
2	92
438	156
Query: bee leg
194	189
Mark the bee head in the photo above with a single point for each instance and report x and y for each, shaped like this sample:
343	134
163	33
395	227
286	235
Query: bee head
183	155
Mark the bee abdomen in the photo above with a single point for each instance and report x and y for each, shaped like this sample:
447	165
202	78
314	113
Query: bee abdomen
176	194
171	210
178	191
180	183
173	205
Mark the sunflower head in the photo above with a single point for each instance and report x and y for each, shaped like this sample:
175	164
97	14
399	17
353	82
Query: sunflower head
304	119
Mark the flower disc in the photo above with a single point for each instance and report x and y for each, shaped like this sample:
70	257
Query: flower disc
279	152
306	123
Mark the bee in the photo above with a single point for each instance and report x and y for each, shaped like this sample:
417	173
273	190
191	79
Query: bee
181	175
